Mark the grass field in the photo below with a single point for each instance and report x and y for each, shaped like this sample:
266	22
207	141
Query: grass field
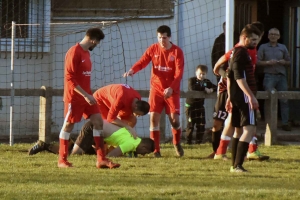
189	177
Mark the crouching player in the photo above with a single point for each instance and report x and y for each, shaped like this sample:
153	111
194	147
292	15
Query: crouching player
113	135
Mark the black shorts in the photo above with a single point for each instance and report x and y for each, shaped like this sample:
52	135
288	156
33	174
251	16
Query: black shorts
243	115
85	139
220	112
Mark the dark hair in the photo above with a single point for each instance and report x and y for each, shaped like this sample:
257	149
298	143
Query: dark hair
142	106
202	68
259	25
95	34
146	146
164	29
250	29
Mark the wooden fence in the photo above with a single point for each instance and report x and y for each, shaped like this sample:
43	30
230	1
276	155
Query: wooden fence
46	94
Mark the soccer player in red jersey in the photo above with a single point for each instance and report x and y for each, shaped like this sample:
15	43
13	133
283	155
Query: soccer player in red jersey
78	98
167	70
120	104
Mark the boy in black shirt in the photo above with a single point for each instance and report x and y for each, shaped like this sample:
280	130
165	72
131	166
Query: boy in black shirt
195	111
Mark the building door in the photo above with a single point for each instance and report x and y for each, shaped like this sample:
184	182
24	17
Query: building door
245	13
295	46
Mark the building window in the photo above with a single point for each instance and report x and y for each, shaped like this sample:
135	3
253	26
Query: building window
13	10
32	18
91	10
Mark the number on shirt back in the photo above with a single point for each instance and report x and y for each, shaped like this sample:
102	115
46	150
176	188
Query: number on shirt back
125	85
222	115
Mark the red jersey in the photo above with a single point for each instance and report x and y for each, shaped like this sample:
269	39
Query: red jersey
118	99
252	53
78	68
223	81
167	67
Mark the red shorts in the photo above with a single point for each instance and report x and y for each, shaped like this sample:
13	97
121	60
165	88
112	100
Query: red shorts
158	102
74	112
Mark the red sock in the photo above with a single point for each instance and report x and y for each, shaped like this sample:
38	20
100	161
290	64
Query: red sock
176	135
222	149
253	145
100	150
155	136
63	149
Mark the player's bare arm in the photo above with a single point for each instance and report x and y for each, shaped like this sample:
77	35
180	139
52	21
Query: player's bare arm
120	123
245	88
129	73
88	97
228	105
218	64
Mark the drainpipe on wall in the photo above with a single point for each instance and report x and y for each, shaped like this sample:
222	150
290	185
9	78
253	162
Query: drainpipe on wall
229	24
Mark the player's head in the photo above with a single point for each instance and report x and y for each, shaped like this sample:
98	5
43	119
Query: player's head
260	27
163	35
201	71
141	108
250	36
145	147
94	36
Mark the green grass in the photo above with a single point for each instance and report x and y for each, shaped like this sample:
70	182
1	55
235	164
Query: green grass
190	177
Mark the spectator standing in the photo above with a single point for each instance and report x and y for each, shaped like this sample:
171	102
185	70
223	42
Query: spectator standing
274	58
218	49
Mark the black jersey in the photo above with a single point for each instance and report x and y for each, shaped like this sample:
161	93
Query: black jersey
198	85
240	67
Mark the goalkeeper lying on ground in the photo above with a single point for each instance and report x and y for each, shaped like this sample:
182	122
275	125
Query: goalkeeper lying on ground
115	136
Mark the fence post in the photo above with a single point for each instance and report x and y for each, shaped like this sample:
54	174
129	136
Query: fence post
271	118
45	114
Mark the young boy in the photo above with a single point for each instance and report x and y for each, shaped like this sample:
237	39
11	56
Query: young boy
195	111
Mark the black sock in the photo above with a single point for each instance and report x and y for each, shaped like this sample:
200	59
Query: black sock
215	139
234	146
242	149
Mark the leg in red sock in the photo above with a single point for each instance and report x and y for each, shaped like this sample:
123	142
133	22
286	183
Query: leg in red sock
253	145
102	161
155	136
176	141
63	154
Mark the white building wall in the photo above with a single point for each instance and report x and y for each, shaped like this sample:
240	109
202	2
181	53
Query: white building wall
194	27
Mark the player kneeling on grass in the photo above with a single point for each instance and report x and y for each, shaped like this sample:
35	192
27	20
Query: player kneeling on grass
113	135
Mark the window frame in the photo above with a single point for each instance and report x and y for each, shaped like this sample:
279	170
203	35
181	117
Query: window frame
37	16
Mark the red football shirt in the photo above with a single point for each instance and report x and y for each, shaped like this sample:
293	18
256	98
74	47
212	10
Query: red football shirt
77	71
118	100
167	67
